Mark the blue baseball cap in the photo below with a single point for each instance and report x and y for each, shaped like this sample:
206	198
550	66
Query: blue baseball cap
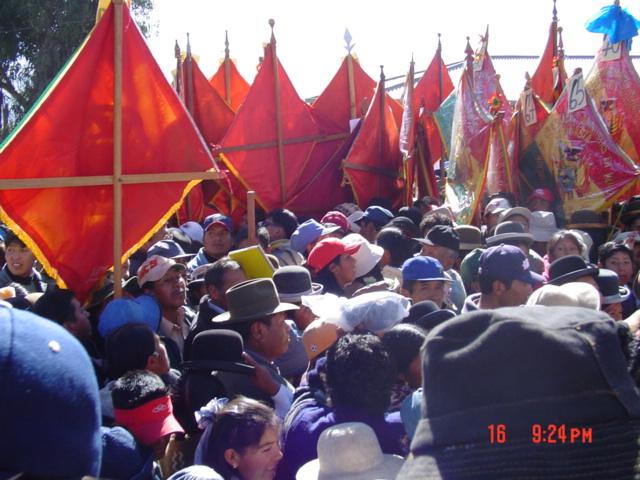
218	219
506	262
308	232
378	215
423	268
118	312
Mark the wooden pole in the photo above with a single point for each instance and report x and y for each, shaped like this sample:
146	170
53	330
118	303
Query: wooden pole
352	87
189	95
381	158
442	179
251	217
276	87
117	149
227	70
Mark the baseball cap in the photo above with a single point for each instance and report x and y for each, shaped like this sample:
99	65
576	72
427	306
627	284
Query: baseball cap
441	236
497	205
150	421
308	232
121	311
168	249
541	193
328	249
506	262
337	218
218	219
193	230
378	215
155	267
423	268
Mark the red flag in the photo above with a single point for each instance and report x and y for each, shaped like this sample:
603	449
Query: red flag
374	165
432	89
69	133
288	159
228	82
550	76
579	156
614	85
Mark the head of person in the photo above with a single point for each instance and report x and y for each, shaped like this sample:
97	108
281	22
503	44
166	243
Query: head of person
469	267
339	219
403	342
218	235
397	246
223	274
142	405
372	221
134	346
293	282
564	243
542	227
281	223
423	279
619	258
406	226
612	293
630	214
241	440
492	211
511	233
442	243
540	200
432	219
593	387
520	215
359	374
256	313
164	279
308	233
572	269
262	235
19	258
332	258
61	306
505	277
50	413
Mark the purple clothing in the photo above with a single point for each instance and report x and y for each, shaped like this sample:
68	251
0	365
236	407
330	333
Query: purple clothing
310	420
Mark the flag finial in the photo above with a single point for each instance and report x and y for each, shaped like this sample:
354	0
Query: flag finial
555	12
469	56
616	3
272	22
381	72
439	43
527	80
560	43
176	50
577	71
347	40
226	44
188	45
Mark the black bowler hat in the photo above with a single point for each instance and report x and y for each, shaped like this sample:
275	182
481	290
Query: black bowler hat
251	300
517	368
294	281
567	269
609	288
218	350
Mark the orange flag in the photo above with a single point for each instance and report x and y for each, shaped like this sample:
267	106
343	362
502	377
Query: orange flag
228	81
69	133
470	140
277	147
575	152
550	76
614	85
374	165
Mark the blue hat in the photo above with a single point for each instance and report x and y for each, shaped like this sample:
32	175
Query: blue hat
122	457
424	269
506	262
378	215
308	232
144	309
218	219
167	249
50	413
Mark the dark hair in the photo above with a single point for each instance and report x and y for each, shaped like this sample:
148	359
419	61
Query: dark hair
285	218
239	425
244	328
215	275
137	388
486	283
607	250
397	244
261	233
360	373
55	304
128	348
11	237
411	213
432	219
327	279
404	342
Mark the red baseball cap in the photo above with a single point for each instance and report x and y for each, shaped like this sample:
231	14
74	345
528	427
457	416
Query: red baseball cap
149	422
328	249
337	218
541	193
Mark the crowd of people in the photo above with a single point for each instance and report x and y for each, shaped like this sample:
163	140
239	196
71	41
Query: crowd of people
380	344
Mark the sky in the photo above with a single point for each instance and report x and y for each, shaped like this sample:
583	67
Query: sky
310	35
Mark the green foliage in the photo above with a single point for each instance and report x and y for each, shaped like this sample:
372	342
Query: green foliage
36	39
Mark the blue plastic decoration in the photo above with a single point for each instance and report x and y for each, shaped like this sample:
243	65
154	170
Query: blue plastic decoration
615	22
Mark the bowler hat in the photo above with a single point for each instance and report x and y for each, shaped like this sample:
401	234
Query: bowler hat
567	269
470	237
526	392
509	232
609	288
218	350
251	300
294	281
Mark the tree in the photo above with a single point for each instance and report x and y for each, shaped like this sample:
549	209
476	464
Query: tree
36	39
